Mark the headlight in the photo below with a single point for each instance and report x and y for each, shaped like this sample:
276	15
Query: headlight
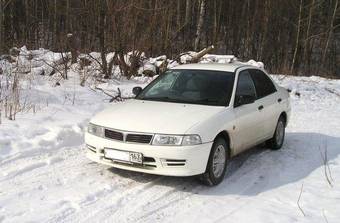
95	130
176	140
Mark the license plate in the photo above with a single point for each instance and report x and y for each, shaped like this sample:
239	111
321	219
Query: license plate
119	155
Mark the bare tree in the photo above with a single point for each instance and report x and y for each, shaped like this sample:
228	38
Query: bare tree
199	25
330	31
297	41
1	25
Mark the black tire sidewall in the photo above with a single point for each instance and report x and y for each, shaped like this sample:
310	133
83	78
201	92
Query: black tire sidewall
276	145
209	171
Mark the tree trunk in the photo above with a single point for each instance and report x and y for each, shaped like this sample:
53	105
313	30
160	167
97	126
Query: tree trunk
68	28
187	11
102	39
297	42
72	45
1	28
331	27
306	46
199	25
55	25
178	13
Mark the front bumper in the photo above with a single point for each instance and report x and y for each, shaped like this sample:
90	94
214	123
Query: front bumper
160	160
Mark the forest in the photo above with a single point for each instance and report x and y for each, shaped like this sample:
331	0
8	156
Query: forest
299	37
82	139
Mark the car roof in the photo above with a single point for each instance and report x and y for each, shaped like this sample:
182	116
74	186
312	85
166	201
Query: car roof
229	67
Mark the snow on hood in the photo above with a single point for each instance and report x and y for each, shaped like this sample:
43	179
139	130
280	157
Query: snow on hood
154	117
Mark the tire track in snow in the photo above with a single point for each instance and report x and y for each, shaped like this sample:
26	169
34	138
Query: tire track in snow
161	204
33	163
169	191
23	170
108	203
170	207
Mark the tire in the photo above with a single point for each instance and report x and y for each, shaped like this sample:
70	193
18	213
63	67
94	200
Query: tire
220	154
276	142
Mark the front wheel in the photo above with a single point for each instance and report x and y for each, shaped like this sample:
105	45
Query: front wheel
217	163
276	142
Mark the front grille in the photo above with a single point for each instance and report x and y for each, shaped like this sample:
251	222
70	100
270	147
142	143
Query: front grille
129	137
138	138
113	135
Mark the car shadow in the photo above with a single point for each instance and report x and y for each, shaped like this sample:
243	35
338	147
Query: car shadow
259	169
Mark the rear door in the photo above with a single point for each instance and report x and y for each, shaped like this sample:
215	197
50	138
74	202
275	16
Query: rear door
248	117
267	98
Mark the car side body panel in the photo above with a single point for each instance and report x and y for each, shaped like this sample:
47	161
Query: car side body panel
246	125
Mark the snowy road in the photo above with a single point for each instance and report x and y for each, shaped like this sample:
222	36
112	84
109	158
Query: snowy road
44	176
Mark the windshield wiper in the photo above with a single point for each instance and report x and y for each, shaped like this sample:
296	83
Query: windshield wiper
167	99
157	98
207	100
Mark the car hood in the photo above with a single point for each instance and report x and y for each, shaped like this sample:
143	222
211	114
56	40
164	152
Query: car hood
154	117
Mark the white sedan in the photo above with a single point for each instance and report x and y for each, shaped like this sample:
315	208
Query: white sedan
190	121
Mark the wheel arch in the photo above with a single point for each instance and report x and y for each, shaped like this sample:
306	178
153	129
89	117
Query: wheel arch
225	135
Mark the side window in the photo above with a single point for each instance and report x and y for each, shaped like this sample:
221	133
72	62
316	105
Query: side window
263	84
245	85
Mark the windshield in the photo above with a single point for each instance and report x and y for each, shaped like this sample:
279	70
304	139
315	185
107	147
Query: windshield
191	86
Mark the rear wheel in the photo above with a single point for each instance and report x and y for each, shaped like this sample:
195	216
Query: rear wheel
276	142
217	163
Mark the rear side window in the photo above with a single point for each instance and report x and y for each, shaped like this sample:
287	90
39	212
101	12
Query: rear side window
263	84
245	85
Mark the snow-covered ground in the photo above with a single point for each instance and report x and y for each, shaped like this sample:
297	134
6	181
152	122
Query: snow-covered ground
45	177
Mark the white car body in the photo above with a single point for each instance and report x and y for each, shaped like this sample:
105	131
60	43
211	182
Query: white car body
243	127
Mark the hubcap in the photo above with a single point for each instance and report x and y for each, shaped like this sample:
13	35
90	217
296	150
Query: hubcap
219	160
280	131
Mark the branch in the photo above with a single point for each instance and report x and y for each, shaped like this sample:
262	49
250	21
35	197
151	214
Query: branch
332	91
324	216
54	67
117	97
6	4
327	169
298	201
100	64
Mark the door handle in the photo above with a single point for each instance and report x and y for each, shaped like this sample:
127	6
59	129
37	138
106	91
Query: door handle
279	100
260	107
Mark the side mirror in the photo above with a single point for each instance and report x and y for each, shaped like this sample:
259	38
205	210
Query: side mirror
137	90
244	100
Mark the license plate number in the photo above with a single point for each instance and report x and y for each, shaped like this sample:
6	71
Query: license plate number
132	157
136	157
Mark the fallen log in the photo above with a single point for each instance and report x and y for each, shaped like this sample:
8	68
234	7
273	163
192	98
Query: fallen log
195	58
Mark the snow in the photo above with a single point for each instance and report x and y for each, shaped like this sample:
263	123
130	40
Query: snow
45	177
